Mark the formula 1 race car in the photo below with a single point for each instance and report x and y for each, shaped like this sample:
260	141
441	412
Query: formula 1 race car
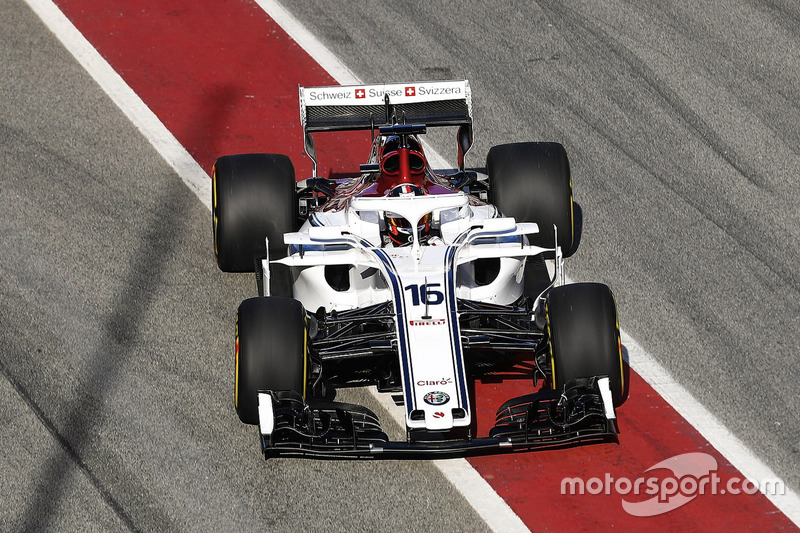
415	281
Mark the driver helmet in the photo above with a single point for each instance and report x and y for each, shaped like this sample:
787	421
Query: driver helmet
399	228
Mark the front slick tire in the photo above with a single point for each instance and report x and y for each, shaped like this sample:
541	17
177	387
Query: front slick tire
270	351
584	339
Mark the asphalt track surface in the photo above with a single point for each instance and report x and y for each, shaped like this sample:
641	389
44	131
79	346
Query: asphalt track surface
682	125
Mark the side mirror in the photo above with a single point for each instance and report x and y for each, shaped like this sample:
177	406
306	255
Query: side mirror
464	138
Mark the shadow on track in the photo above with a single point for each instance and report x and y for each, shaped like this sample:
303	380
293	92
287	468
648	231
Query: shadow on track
121	328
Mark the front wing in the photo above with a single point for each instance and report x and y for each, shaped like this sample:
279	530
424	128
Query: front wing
581	413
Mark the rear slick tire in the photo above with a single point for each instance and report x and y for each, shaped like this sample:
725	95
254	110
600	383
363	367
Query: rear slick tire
531	182
253	197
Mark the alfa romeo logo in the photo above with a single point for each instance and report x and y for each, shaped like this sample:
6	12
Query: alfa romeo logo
436	398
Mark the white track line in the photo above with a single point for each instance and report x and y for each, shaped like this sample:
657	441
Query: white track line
493	509
128	101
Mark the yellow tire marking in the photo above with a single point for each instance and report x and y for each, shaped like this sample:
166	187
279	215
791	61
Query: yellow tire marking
619	347
550	346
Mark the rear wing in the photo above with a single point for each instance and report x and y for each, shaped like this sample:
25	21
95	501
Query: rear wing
367	107
361	107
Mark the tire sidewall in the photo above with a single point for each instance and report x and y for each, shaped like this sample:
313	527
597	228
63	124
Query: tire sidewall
271	351
253	198
531	182
583	336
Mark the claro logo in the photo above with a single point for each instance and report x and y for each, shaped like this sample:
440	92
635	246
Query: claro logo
672	483
435	382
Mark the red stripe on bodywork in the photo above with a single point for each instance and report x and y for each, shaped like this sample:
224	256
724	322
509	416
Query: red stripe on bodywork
223	77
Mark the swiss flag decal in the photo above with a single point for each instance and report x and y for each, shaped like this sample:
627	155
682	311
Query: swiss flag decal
360	93
410	91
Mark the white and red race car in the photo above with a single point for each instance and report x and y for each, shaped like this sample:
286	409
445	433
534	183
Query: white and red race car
415	281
